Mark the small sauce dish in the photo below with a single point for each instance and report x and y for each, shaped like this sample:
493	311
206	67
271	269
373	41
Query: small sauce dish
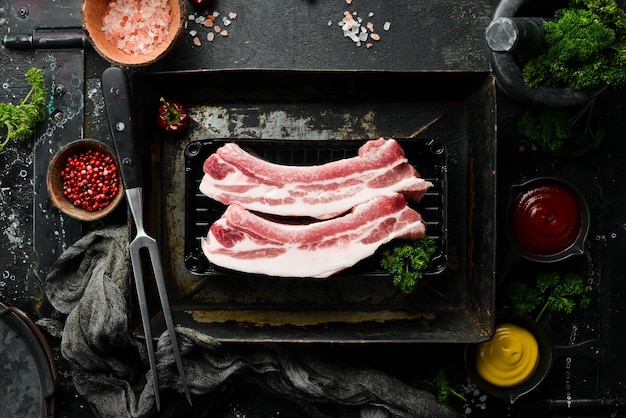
547	220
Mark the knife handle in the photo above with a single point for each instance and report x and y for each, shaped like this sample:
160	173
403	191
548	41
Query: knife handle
116	92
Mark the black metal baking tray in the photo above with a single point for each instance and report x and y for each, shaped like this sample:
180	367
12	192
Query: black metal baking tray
426	155
454	109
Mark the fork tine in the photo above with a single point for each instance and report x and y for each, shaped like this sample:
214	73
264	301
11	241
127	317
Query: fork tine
167	314
145	320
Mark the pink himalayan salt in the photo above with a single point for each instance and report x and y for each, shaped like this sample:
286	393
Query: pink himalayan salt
137	26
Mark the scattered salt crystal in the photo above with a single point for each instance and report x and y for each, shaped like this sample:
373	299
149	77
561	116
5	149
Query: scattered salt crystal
358	30
330	23
349	26
207	19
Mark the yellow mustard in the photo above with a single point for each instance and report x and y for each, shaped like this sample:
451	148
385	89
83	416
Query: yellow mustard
509	358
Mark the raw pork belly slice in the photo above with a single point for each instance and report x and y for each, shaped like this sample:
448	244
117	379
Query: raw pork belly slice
243	241
323	191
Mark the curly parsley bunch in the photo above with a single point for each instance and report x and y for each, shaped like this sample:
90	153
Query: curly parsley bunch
584	47
564	132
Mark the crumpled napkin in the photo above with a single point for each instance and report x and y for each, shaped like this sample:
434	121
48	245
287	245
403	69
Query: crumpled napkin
90	283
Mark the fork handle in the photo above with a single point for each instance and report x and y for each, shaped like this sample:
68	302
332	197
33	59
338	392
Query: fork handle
134	198
116	93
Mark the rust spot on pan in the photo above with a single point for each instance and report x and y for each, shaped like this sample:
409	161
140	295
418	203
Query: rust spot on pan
299	318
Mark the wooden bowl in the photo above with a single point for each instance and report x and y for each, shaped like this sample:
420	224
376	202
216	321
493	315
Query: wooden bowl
93	12
54	182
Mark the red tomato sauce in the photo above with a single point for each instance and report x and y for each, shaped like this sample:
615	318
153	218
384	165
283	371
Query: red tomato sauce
545	220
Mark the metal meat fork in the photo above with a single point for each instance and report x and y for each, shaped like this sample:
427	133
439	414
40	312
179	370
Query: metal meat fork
117	100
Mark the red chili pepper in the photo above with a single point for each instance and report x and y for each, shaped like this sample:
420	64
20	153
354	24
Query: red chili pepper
173	116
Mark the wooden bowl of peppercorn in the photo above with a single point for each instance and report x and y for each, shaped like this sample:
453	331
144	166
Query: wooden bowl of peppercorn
83	180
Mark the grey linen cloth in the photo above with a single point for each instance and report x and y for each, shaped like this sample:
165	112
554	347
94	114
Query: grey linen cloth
90	284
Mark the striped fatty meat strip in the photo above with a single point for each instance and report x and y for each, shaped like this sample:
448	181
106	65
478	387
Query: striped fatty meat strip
243	241
323	191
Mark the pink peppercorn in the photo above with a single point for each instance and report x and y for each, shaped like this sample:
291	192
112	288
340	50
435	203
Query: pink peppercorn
90	180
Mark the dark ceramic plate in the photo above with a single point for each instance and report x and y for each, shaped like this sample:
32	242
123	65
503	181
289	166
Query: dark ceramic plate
27	370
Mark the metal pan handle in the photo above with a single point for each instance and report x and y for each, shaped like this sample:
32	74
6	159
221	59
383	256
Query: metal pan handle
589	349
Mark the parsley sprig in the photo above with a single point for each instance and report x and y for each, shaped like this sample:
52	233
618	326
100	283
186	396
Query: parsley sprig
407	262
20	120
551	291
444	390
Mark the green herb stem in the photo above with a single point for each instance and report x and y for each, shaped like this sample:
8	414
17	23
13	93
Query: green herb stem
543	309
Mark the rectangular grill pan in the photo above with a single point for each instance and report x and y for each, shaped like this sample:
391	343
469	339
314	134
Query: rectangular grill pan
310	117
